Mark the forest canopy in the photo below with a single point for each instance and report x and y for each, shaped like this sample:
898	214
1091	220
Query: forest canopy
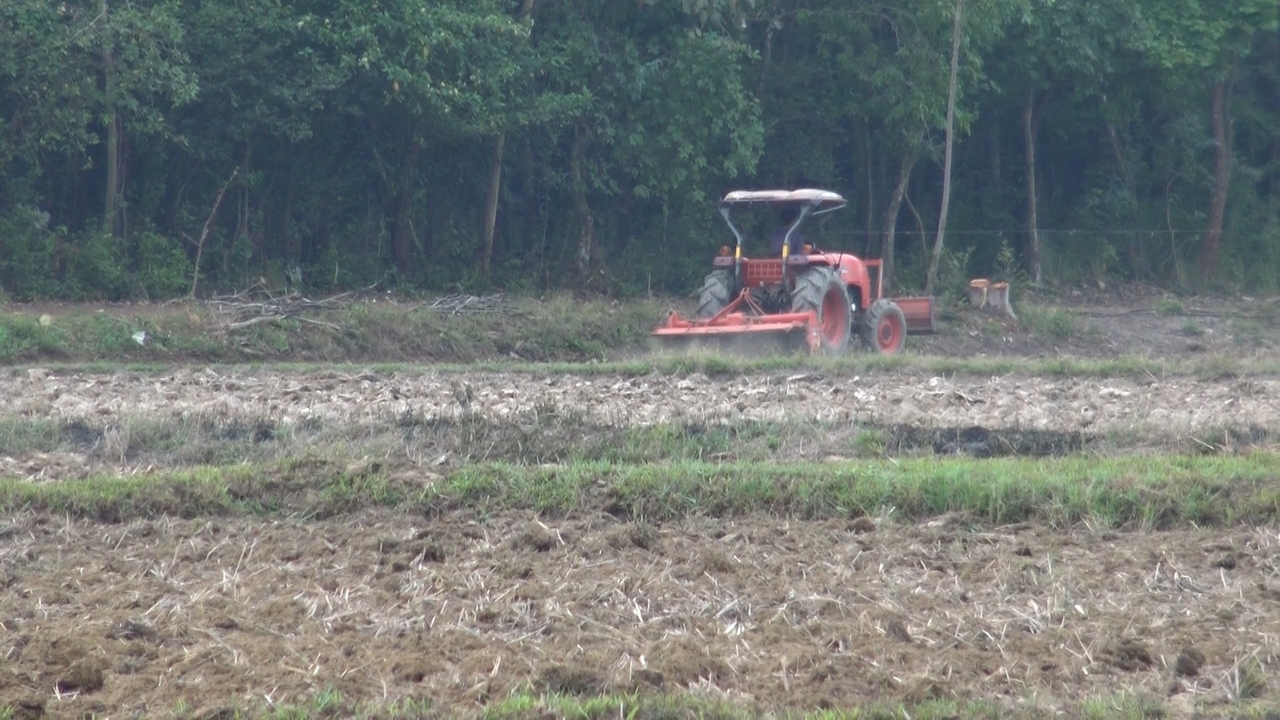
156	148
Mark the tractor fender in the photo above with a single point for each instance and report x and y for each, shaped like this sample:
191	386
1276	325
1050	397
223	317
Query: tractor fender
855	275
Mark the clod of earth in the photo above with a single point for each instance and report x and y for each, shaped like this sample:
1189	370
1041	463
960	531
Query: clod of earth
84	675
537	537
1189	662
1128	654
861	525
898	629
566	680
133	629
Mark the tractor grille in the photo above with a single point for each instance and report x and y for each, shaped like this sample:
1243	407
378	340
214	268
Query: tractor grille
763	272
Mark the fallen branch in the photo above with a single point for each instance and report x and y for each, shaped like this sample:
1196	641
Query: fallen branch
255	321
469	304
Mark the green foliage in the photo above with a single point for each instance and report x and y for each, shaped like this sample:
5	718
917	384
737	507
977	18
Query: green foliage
1250	679
23	337
1191	328
96	267
357	134
164	270
28	251
1170	307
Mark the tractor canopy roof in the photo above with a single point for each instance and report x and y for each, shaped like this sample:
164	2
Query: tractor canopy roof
821	200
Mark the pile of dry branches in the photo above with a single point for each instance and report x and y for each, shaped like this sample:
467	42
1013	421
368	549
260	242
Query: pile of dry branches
258	304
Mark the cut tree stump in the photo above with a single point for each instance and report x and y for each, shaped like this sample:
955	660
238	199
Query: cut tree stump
986	295
978	292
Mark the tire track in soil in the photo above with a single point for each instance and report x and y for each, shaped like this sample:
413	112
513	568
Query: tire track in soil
223	612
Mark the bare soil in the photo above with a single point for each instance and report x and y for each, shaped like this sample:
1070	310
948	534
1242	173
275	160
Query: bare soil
1127	320
155	616
1172	405
426	418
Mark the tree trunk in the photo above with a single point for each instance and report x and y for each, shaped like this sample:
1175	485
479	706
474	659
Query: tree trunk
932	280
1031	113
491	206
495	182
242	217
1221	177
581	210
403	240
110	213
1137	253
997	170
869	219
891	218
766	59
529	201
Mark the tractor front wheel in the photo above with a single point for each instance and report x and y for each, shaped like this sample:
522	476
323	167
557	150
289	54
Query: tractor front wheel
717	291
885	327
822	291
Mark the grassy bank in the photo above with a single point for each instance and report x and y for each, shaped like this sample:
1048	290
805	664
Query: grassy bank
555	329
1143	492
557	335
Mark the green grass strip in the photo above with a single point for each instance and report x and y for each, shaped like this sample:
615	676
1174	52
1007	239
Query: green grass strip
1148	491
530	705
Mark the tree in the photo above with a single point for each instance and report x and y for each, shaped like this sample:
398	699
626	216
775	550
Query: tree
668	105
932	280
446	70
1207	39
892	74
1059	47
144	75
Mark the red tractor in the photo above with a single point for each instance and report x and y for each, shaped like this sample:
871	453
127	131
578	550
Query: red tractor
827	296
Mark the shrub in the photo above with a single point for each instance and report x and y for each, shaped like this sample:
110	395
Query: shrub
95	267
163	269
1051	323
27	254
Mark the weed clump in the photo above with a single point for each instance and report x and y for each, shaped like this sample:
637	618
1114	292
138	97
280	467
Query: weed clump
1051	323
1170	307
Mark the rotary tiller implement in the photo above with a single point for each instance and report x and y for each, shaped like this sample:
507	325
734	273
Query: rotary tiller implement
826	298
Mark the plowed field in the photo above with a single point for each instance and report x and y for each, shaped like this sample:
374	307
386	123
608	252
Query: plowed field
252	608
153	616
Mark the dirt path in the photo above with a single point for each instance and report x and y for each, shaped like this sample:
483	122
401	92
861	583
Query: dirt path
210	613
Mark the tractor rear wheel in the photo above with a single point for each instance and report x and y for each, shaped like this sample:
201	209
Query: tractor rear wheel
717	291
885	327
822	291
